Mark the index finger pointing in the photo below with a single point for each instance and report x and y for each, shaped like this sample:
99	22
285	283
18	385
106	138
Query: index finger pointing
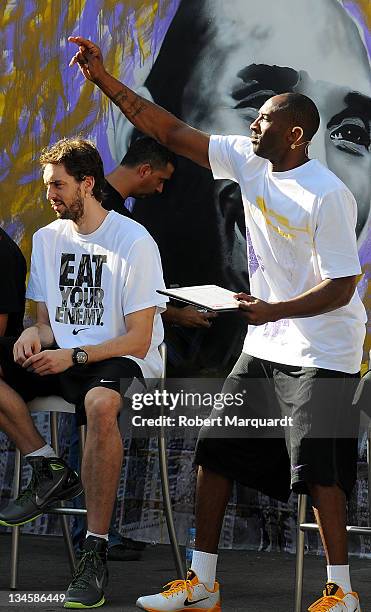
79	40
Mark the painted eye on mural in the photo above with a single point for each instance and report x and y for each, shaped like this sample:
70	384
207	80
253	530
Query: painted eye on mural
249	105
351	136
259	82
249	115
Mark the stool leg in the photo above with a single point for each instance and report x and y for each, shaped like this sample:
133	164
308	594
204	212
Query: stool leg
167	506
64	519
82	442
300	537
165	476
14	557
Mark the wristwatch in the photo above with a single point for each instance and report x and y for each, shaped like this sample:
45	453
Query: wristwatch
79	356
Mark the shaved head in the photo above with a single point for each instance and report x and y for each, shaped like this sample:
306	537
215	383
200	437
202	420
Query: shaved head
301	111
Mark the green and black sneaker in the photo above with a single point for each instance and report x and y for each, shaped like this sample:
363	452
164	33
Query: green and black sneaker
52	481
90	577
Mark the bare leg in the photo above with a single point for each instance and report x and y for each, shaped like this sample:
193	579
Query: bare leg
212	496
16	422
329	505
103	456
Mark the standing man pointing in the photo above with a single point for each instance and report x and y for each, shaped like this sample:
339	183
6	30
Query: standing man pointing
303	267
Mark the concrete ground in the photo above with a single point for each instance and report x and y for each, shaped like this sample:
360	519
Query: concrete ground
251	582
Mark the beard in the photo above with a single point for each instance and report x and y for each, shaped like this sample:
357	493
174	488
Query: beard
75	210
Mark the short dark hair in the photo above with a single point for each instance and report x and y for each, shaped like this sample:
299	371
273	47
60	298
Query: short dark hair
80	159
302	111
146	150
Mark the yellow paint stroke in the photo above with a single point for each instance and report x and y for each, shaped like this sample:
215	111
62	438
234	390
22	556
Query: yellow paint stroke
282	221
33	89
364	6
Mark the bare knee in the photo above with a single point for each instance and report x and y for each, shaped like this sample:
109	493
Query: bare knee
102	407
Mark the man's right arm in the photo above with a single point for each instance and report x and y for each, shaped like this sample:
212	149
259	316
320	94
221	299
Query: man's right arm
34	338
146	116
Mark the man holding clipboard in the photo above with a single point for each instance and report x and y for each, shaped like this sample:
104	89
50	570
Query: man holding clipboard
306	326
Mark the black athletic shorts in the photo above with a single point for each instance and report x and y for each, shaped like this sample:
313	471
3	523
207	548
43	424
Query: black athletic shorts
305	395
73	384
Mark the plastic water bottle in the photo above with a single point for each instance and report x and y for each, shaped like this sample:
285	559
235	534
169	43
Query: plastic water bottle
190	546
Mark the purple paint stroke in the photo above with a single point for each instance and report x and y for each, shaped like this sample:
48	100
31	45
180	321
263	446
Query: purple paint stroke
252	260
277	328
26	178
365	259
354	10
5	165
14	228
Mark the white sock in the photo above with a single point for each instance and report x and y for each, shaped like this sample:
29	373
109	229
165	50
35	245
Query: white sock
204	566
44	451
104	536
340	575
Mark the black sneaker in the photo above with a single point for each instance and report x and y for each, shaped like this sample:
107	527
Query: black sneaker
90	577
52	481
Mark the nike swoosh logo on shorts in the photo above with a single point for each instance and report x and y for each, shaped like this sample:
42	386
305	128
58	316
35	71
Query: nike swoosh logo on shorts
107	381
76	331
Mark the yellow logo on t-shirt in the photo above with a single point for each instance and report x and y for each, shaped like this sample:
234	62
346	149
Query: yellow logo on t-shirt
282	221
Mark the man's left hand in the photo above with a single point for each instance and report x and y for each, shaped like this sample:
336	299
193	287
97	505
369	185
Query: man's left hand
255	311
49	362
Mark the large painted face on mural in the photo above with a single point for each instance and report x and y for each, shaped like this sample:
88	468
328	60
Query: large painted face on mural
233	55
252	54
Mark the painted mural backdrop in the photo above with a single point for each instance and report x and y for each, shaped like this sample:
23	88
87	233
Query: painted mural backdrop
213	63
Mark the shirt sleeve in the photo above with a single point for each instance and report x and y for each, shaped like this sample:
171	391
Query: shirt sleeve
35	286
228	154
143	278
335	237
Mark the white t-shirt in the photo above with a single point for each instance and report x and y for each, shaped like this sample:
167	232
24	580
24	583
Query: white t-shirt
300	231
90	282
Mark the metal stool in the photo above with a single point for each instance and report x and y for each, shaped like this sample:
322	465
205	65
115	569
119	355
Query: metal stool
55	405
302	526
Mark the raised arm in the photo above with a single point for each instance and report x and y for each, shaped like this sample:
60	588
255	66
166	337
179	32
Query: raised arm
146	116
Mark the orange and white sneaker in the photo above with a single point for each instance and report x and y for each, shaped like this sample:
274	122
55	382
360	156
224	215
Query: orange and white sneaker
183	595
335	600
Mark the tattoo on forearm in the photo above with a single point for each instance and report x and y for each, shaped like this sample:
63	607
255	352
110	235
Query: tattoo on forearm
121	95
137	107
131	109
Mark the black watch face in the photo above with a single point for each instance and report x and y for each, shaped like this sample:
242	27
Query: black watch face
81	357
